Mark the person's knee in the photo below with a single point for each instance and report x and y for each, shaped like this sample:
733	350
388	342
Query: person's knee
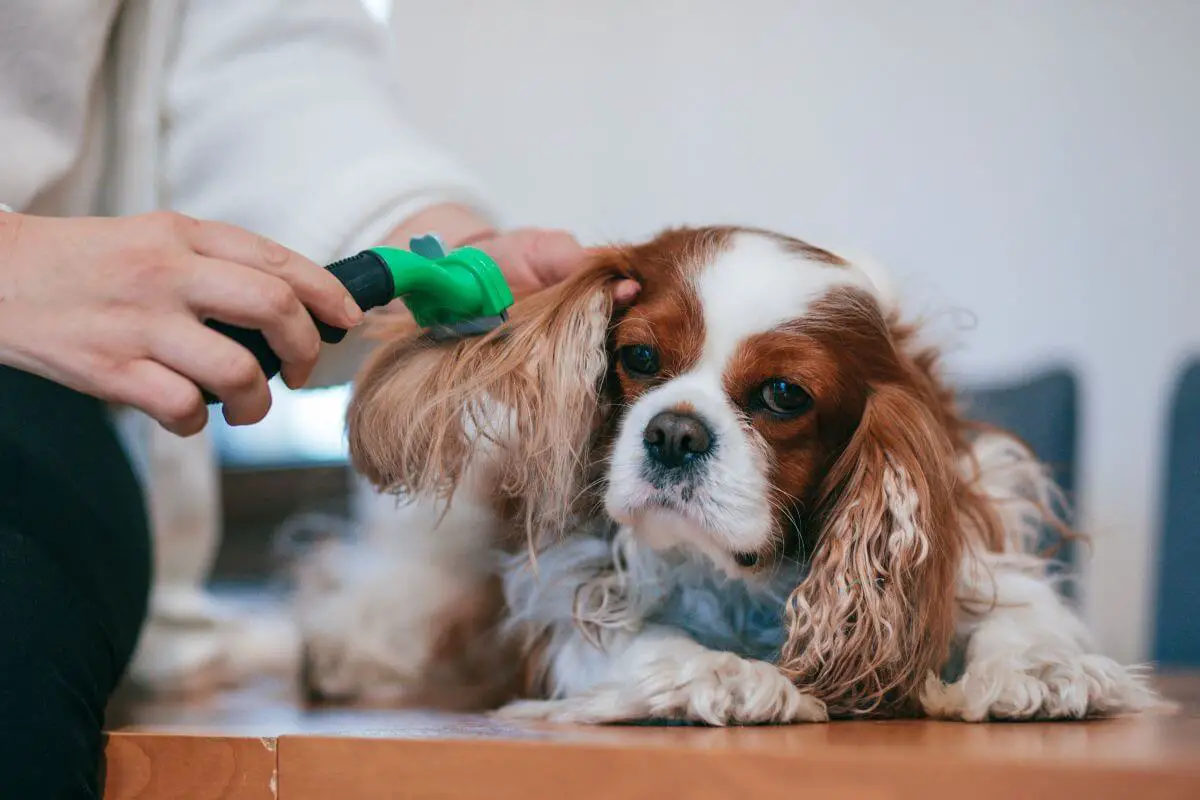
74	578
56	672
51	741
53	752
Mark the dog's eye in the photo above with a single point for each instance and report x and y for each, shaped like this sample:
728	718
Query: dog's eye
783	398
640	360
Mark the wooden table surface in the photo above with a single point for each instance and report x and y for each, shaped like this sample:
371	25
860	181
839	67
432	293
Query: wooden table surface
258	745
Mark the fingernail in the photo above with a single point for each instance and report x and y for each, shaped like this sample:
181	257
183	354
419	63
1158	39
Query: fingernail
626	292
289	377
354	314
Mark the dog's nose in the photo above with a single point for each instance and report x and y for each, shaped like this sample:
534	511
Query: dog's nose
673	439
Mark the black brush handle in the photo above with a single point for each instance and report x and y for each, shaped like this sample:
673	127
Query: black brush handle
365	276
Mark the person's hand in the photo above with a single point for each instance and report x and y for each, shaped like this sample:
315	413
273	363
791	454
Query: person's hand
531	259
115	308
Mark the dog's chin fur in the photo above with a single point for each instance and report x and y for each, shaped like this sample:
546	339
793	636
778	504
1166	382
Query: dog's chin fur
865	553
669	530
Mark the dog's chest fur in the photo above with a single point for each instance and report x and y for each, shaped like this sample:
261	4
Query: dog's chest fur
724	613
616	582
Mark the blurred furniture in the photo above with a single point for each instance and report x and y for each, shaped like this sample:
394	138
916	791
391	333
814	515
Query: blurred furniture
1177	619
252	746
1043	410
294	463
195	640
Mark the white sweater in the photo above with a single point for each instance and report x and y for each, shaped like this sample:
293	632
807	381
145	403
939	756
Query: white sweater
282	116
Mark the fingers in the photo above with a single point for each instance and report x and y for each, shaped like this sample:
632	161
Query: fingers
535	259
217	363
250	299
554	255
165	395
316	288
625	292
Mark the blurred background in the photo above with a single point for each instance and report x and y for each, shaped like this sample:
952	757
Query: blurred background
1028	169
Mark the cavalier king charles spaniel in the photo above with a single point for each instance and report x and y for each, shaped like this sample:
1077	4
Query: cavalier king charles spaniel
746	496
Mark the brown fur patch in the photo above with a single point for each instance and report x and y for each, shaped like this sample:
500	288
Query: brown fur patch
801	448
667	315
797	246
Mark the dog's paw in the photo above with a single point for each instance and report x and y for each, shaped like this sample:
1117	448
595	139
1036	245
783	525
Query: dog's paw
546	710
1064	686
715	689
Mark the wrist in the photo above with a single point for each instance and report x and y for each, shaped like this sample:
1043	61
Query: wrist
455	225
10	226
10	222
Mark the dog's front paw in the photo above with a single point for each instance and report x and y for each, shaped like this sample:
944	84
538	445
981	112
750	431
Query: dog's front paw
1051	686
715	688
570	710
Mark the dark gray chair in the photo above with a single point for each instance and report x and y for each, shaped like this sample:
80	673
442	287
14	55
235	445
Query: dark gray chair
1043	410
1177	615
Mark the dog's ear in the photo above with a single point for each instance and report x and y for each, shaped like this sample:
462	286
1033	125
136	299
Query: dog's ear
525	398
875	614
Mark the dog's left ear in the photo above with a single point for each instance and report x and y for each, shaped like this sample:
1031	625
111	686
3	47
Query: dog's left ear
875	613
526	396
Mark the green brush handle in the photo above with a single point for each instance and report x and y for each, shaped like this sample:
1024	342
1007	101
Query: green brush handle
459	287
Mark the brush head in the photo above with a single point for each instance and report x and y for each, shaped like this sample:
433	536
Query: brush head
452	295
476	326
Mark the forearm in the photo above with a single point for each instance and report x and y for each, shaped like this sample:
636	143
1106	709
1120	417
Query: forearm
456	225
329	163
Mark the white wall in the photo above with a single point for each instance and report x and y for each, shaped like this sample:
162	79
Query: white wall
1034	162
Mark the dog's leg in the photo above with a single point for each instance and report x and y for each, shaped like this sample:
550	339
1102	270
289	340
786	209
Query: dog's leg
1028	656
660	673
406	612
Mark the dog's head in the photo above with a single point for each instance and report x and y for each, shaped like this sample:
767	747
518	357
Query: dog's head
757	401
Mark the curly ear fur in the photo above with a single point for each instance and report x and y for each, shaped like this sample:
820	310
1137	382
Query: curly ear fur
526	397
875	613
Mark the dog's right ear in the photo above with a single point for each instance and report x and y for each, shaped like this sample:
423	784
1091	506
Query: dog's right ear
527	394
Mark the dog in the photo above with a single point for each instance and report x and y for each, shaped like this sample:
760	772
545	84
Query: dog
746	496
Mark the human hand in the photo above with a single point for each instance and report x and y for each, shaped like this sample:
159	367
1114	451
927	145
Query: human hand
531	259
115	308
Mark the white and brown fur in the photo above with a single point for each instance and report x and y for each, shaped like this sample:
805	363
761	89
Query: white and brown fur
835	562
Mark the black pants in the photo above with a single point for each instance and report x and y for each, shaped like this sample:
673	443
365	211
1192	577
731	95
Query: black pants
74	581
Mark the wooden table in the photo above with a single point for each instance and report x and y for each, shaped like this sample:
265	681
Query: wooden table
259	746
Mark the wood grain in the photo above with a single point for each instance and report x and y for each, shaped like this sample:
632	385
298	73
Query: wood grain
1117	759
144	766
205	748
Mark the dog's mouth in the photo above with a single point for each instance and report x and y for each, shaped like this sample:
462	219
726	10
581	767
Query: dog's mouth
668	520
677	502
746	560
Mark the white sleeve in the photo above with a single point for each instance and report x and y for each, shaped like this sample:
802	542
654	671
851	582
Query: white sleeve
285	117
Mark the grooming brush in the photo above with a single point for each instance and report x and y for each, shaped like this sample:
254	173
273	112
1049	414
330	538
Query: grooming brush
451	295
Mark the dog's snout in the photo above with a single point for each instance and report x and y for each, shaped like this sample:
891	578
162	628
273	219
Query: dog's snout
674	439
